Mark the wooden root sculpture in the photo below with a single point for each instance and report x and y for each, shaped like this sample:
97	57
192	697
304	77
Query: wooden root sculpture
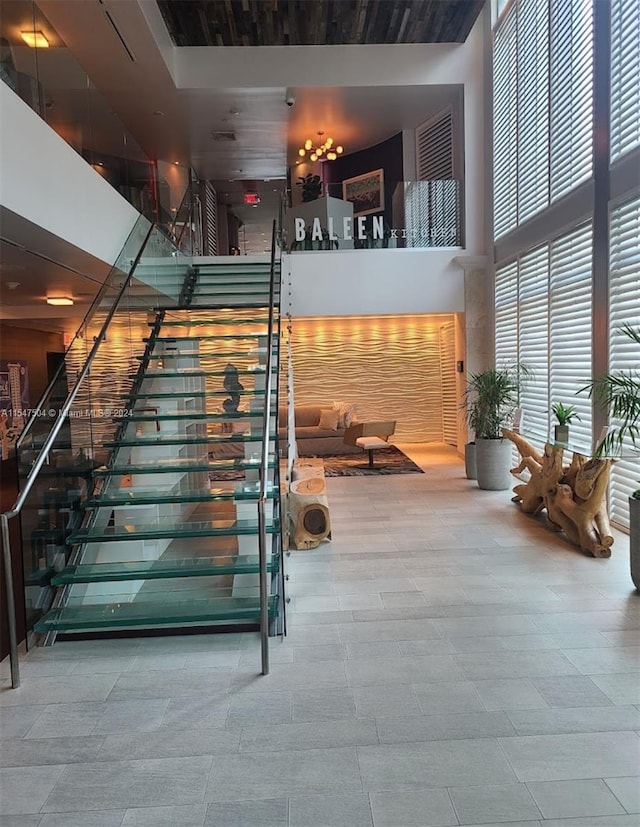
309	507
573	496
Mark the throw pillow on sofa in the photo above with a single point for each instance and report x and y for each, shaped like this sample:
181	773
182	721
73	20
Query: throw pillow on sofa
346	413
328	420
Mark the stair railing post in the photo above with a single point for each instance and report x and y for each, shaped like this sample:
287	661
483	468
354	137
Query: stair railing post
11	607
264	465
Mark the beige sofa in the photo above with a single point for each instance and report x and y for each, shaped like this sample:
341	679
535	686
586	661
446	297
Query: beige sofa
312	440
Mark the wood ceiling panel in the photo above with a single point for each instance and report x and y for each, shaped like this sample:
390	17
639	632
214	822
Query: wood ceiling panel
318	22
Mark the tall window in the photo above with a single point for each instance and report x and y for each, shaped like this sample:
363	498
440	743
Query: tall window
625	76
571	94
533	339
505	119
570	291
624	354
543	319
543	106
506	310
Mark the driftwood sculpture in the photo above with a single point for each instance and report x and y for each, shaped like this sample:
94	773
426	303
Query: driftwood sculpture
308	505
574	496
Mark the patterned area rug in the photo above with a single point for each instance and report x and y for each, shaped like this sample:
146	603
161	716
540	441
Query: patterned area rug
389	460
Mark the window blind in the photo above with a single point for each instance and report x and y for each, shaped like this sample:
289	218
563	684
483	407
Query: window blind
532	138
570	290
434	148
624	354
571	94
542	106
506	314
505	99
625	76
534	340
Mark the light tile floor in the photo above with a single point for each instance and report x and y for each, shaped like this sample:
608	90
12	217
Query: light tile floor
449	662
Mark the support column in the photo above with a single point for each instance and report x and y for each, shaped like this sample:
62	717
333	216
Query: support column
474	332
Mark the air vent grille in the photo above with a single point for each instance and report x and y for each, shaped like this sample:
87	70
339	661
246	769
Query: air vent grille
223	137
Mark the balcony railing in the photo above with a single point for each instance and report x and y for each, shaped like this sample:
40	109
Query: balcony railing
412	214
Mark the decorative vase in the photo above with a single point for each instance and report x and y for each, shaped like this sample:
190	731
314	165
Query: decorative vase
470	465
561	434
493	458
634	540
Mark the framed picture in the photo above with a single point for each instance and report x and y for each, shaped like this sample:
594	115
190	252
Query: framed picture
366	192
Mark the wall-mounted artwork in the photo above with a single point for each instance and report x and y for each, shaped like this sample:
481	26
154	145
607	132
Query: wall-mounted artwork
14	403
366	192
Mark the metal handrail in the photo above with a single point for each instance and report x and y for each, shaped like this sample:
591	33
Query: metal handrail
40	461
262	498
40	405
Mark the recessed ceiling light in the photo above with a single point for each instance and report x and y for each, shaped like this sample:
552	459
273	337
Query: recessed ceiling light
177	163
59	301
158	112
35	39
233	111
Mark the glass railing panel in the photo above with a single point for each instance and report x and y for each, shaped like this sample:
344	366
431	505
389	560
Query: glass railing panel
90	421
50	80
375	215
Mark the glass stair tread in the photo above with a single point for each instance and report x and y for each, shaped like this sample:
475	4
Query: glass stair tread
207	290
186	394
151	440
255	279
222	272
218	321
210	612
162	531
197	373
168	466
180	415
213	566
197	354
212	337
159	495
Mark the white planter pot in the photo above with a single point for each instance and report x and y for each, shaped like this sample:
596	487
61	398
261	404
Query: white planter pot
493	458
561	434
634	540
470	466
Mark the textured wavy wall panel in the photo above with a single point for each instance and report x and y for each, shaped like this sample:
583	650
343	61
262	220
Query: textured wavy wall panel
448	377
108	383
390	366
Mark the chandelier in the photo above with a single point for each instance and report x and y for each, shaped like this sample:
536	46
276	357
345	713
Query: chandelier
319	149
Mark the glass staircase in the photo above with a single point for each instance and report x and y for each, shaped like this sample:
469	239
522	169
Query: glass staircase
160	498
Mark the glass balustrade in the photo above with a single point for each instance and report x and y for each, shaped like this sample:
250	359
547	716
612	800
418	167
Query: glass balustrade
396	215
49	79
88	427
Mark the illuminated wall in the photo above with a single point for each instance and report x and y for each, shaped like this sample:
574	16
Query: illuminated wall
392	367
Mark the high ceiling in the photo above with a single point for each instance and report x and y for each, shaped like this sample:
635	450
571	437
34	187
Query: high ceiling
173	110
318	23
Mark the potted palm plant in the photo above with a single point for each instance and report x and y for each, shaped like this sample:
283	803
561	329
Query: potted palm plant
565	414
491	398
619	392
